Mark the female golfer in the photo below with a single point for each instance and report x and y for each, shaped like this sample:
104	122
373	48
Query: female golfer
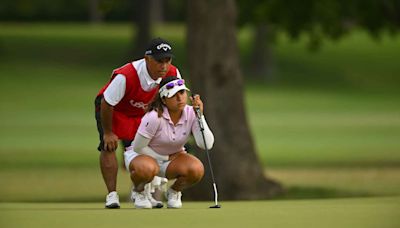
158	145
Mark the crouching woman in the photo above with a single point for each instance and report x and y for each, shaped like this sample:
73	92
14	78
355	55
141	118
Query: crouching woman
158	147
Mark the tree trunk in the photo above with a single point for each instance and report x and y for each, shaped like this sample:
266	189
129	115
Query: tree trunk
95	15
215	74
143	23
261	57
157	13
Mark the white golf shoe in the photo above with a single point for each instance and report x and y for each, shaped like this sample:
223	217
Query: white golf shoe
174	198
112	200
154	203
140	200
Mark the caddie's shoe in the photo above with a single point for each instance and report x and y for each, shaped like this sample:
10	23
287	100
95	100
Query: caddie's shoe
112	200
174	198
140	200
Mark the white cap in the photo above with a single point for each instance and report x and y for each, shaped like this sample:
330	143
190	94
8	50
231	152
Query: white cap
171	88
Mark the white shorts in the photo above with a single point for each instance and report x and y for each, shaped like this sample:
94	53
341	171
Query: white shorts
129	155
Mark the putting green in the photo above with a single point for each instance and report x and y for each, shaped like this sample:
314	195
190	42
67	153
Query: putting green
357	212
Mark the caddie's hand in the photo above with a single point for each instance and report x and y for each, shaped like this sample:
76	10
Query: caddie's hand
196	102
110	142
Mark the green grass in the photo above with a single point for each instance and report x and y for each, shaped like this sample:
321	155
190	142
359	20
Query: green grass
295	127
329	182
358	212
55	184
329	127
70	184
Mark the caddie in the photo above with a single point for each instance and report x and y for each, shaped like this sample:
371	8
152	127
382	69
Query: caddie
121	104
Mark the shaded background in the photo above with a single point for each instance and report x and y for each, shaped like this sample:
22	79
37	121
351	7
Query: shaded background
321	92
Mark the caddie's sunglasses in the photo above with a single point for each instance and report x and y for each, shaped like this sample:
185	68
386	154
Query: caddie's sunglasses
171	85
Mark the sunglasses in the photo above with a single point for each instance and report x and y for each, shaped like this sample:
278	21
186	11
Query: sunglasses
171	85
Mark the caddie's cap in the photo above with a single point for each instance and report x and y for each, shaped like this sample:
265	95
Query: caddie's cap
159	48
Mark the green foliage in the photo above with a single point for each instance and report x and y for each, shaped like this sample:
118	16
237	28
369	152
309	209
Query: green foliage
322	18
175	10
63	10
354	62
78	10
22	10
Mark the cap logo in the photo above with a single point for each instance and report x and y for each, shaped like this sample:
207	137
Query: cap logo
163	46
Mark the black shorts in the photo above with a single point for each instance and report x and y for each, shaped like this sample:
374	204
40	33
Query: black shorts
100	147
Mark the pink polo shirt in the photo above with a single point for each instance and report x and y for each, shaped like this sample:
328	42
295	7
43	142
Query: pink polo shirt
165	137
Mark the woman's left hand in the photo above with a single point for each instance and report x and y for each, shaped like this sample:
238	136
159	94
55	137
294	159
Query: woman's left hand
196	102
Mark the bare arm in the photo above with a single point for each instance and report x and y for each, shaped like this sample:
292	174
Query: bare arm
110	139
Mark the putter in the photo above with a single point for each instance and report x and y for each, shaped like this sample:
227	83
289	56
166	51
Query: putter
198	114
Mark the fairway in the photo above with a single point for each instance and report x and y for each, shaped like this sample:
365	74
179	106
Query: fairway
354	213
333	128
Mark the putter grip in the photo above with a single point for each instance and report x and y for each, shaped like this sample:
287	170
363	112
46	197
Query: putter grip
198	113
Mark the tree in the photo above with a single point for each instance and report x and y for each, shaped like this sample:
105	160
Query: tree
145	14
317	19
215	74
95	15
143	23
261	61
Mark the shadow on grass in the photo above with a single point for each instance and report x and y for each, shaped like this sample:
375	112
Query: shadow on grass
310	192
292	193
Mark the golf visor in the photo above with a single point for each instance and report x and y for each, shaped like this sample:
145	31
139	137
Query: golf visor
171	88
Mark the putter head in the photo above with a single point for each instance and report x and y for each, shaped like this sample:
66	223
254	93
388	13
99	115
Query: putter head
216	206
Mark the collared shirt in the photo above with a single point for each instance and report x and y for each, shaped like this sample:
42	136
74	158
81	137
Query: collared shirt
166	137
116	90
146	81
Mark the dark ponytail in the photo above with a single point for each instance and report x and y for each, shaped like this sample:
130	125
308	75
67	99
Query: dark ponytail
156	105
